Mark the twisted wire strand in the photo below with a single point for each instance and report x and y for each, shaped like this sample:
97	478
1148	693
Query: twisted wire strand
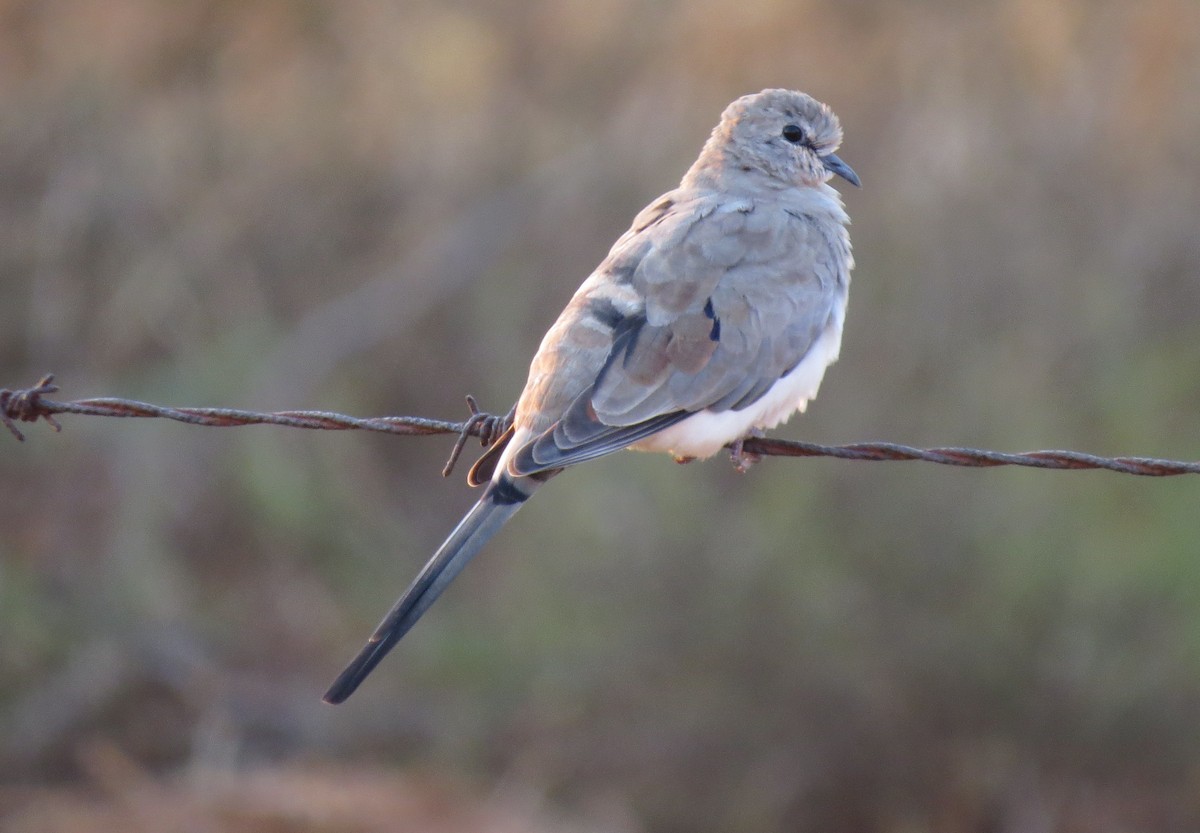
31	404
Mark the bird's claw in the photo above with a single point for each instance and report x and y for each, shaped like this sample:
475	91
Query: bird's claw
740	457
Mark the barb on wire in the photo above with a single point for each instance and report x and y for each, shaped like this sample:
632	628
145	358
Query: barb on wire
26	405
487	427
31	404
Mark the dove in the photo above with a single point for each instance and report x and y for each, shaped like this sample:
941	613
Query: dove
712	319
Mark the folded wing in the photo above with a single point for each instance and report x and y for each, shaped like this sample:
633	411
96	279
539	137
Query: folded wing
703	306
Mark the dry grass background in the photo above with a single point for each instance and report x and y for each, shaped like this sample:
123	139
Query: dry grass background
377	207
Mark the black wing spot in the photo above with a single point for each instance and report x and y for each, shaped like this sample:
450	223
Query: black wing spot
715	333
626	329
625	337
606	312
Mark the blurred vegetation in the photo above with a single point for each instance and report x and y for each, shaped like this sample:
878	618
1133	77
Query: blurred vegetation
377	207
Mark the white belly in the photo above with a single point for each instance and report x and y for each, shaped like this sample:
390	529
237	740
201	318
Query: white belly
705	433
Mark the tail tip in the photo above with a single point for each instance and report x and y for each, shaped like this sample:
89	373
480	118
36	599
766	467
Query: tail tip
345	685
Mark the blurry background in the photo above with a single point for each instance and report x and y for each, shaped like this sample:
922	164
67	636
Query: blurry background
378	207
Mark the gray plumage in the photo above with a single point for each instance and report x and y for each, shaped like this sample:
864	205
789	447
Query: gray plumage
712	318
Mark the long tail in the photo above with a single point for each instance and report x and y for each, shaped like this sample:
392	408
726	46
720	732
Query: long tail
499	503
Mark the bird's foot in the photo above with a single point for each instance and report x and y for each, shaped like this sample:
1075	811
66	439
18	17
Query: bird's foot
740	457
683	461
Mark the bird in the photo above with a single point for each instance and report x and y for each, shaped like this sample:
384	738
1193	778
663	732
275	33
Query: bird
712	319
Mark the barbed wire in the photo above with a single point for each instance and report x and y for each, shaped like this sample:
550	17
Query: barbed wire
31	404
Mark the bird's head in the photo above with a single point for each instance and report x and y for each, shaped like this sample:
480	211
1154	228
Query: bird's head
787	135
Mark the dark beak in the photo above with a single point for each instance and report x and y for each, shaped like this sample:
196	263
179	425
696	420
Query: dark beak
836	166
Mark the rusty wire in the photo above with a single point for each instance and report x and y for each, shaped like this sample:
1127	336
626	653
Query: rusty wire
31	404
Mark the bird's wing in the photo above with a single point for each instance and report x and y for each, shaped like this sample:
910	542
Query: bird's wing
703	305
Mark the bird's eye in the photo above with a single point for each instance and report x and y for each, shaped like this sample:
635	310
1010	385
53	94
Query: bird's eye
794	133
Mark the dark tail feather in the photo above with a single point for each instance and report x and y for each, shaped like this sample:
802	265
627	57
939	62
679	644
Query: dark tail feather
499	503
